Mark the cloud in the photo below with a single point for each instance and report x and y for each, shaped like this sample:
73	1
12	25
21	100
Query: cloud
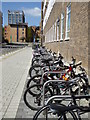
36	12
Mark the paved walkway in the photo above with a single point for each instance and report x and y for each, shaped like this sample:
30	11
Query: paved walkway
23	111
14	72
14	78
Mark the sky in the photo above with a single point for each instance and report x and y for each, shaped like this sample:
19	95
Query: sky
32	11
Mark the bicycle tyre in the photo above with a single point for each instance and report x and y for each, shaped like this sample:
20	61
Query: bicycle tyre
33	95
44	108
35	62
33	68
32	79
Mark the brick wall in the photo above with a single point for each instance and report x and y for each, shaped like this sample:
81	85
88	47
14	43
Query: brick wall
11	33
77	45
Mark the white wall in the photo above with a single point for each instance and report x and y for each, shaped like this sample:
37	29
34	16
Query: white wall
49	8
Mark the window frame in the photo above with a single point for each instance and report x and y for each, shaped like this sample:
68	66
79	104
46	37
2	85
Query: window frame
58	28
55	29
62	25
67	14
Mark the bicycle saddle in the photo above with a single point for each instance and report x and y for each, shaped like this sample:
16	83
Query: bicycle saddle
46	60
37	55
59	108
44	54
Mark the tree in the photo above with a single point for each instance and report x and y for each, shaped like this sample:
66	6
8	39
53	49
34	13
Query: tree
30	34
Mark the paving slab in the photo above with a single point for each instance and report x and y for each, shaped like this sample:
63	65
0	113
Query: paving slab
14	71
23	111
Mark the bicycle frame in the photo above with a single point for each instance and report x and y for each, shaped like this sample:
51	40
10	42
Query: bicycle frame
59	81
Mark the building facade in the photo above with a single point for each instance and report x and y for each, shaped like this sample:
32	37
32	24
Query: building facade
1	20
15	17
66	29
16	32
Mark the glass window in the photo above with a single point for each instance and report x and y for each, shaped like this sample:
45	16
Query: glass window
13	18
22	29
68	19
55	30
9	15
20	18
58	22
62	26
22	32
9	21
9	18
17	18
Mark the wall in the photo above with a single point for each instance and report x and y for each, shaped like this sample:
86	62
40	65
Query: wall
11	33
77	45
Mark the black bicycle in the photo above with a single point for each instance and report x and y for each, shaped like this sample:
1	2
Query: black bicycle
63	112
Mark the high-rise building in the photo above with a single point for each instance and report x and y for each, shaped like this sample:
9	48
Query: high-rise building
15	17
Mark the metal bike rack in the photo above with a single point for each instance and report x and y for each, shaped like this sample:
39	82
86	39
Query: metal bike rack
59	81
63	97
51	72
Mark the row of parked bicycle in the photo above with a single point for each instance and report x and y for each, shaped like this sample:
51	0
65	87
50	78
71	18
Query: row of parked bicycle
55	89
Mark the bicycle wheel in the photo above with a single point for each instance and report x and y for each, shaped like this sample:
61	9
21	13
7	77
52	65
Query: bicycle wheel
36	62
36	79
30	100
35	89
35	70
33	96
46	113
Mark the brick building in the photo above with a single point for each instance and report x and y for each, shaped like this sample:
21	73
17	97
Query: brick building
15	32
66	29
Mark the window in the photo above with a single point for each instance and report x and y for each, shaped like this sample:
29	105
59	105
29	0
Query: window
22	29
55	31
20	18
9	18
17	18
13	18
22	32
68	18
62	26
58	20
10	21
